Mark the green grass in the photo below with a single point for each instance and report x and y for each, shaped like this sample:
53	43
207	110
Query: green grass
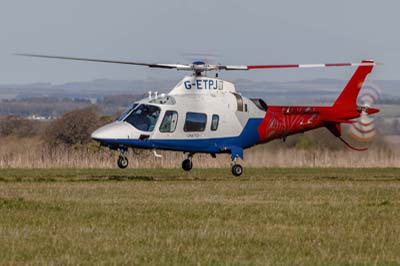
168	217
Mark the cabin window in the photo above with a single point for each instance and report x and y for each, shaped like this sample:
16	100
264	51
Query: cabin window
169	122
214	122
245	107
144	117
195	122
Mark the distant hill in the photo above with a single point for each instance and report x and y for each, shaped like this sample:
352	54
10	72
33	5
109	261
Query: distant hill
293	92
95	89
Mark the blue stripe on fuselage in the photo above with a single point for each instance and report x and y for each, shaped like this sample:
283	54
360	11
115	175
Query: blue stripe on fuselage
246	139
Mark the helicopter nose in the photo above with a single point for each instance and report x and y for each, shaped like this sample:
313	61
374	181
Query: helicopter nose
115	130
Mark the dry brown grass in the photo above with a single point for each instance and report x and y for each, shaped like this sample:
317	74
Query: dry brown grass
34	153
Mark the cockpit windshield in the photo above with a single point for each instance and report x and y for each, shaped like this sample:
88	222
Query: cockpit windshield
144	117
127	111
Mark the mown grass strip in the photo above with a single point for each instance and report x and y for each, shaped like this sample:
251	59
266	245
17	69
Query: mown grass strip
70	174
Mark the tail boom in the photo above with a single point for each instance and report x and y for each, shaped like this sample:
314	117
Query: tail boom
282	121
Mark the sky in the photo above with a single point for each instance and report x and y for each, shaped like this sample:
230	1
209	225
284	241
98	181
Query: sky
237	32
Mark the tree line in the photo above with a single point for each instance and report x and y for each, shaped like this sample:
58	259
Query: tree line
75	128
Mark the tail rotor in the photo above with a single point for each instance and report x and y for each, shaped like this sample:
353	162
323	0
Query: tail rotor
364	129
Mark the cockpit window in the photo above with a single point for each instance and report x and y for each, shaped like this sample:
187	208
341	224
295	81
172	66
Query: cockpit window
127	111
144	117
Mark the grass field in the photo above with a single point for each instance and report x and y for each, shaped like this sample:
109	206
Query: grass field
293	216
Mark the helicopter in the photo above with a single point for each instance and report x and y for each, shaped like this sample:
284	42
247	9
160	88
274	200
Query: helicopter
204	114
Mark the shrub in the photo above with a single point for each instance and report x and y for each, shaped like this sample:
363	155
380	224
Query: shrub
18	126
74	127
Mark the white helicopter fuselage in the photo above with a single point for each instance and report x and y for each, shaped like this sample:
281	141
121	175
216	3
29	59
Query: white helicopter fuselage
200	114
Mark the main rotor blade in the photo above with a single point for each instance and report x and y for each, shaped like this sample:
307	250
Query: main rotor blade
249	67
198	68
169	66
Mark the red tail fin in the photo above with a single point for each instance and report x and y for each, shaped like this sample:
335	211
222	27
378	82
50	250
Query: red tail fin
348	98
